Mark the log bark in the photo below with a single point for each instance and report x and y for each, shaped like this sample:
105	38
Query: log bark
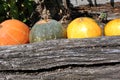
62	59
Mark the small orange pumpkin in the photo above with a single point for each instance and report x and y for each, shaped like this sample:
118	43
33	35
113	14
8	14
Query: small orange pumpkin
13	32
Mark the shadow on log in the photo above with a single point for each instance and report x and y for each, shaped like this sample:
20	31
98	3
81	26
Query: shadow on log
62	59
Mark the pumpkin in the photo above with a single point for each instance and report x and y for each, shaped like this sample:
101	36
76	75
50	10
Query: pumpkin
47	30
13	32
112	28
83	27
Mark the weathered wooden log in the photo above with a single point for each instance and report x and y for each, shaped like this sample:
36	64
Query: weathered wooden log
62	59
48	54
80	73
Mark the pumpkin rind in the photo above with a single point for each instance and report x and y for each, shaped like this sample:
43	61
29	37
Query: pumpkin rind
83	27
46	31
13	32
112	28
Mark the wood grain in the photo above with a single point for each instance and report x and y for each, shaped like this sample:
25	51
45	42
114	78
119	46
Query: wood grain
62	59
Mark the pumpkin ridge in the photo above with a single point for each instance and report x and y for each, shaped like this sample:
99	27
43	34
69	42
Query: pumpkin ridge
19	29
2	38
13	38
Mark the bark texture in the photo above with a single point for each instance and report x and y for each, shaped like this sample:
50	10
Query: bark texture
62	59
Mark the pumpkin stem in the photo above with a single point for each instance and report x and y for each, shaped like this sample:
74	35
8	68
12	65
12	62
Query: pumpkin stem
103	16
45	14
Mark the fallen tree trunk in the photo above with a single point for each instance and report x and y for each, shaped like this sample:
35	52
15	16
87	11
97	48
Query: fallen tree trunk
62	59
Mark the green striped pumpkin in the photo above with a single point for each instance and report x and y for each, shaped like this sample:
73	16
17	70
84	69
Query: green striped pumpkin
47	30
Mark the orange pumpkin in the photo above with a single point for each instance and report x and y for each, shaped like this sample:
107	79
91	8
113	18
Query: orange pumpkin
13	32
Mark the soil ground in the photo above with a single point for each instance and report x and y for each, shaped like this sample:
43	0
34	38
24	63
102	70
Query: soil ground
86	10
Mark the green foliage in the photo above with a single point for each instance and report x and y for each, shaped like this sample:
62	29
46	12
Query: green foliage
17	9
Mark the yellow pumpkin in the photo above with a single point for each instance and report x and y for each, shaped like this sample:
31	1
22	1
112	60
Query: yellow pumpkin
112	28
83	27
